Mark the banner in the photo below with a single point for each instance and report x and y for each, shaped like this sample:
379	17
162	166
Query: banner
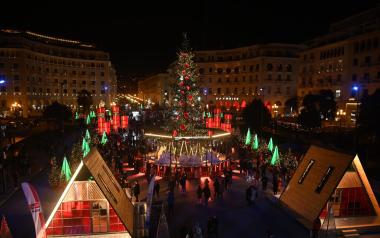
149	197
35	208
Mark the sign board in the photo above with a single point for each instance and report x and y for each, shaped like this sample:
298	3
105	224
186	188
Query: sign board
110	187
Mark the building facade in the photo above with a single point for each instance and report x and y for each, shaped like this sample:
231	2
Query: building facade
156	88
37	69
346	61
268	72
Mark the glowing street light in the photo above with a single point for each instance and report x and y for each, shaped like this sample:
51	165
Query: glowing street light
2	81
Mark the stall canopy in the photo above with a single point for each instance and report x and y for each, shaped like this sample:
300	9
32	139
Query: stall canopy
316	179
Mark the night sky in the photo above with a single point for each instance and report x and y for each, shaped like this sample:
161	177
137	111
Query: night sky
143	37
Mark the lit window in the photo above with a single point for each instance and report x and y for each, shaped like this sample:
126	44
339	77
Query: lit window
337	93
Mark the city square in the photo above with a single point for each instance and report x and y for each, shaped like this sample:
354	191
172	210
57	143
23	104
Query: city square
190	120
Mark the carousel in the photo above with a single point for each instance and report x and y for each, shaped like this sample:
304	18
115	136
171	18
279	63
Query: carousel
196	155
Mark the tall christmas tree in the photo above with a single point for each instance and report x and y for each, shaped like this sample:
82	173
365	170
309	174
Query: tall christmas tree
104	139
270	145
186	105
88	137
275	157
248	137
65	171
255	143
88	120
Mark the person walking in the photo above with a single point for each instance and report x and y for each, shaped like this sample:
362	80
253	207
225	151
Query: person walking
170	201
157	189
275	183
206	192
248	195
199	193
216	188
264	183
136	191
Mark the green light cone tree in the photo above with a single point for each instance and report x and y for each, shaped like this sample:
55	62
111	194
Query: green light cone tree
76	116
88	137
248	137
187	113
104	139
270	145
88	120
65	170
275	156
255	143
55	174
86	149
84	143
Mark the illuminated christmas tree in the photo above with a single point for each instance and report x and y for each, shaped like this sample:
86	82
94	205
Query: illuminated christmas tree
104	139
84	144
248	137
270	145
186	107
275	156
255	143
65	171
92	114
76	116
86	149
88	137
88	120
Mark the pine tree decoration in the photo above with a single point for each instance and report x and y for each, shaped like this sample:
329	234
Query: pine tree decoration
270	145
5	232
255	143
104	138
55	174
186	107
86	149
92	114
88	121
84	143
275	157
248	137
65	171
88	137
76	116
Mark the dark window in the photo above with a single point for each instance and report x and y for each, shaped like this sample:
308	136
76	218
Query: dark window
220	70
367	60
83	72
102	83
48	90
236	70
269	77
289	68
219	80
269	67
93	92
236	80
74	91
201	70
1	65
324	179
251	68
64	90
15	66
210	70
16	77
354	77
375	43
74	82
355	62
210	80
218	90
92	82
228	70
378	75
102	74
257	67
83	82
356	47
17	89
74	73
209	90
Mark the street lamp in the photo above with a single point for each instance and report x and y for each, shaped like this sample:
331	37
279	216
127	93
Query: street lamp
355	88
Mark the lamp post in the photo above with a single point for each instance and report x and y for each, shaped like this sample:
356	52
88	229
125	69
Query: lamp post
355	88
